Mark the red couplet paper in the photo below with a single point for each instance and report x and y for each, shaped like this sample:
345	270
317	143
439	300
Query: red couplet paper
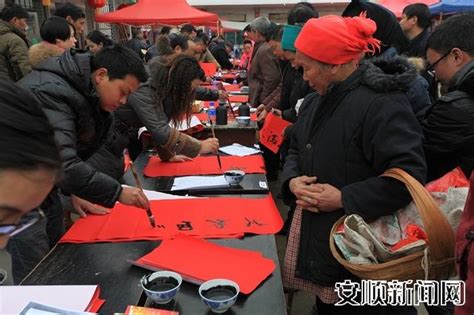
238	98
199	260
209	68
96	302
201	217
271	135
204	165
232	87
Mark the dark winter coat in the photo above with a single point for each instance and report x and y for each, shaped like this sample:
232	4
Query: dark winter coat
63	87
296	88
221	55
348	138
417	46
418	92
204	94
449	128
137	45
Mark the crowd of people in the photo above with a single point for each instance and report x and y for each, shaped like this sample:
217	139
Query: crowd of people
364	93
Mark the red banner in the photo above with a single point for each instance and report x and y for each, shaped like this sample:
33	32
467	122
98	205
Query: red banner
204	165
199	260
202	217
271	134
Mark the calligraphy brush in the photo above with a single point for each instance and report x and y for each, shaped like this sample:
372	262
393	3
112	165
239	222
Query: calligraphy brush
231	108
139	185
214	135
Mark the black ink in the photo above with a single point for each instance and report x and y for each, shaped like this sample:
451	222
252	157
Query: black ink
185	226
218	223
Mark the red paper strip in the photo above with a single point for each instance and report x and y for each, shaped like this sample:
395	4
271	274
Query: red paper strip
201	260
96	302
271	134
202	217
232	87
230	117
239	98
204	165
209	68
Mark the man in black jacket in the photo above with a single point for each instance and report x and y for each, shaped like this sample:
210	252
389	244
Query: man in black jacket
78	92
415	23
221	52
449	126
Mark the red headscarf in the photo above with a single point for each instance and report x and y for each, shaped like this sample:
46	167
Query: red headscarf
337	40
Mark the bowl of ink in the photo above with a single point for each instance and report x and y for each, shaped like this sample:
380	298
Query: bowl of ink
219	294
161	286
234	177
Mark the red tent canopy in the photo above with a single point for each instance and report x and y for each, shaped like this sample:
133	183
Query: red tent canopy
396	6
165	12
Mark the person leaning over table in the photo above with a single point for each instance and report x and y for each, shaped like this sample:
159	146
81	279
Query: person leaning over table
182	45
78	92
166	97
201	51
29	161
353	130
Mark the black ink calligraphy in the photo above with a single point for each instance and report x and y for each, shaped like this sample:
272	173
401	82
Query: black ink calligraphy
185	226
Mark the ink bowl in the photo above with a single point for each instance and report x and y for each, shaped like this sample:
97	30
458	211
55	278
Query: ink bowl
243	120
234	177
161	286
219	294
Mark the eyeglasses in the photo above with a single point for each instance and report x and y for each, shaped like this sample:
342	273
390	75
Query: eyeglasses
14	229
430	68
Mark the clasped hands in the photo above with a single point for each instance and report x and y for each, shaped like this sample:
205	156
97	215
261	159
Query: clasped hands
315	197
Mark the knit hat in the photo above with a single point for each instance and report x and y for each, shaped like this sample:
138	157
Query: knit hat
336	40
290	33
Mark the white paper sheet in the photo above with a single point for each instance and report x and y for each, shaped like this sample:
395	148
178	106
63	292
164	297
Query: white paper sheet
238	150
183	125
13	299
34	308
155	195
187	182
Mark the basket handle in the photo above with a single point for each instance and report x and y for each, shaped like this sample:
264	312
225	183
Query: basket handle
440	235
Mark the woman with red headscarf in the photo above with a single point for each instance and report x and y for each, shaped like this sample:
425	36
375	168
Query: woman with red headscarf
358	124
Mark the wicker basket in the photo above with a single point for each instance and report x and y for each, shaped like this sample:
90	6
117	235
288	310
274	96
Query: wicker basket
436	262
